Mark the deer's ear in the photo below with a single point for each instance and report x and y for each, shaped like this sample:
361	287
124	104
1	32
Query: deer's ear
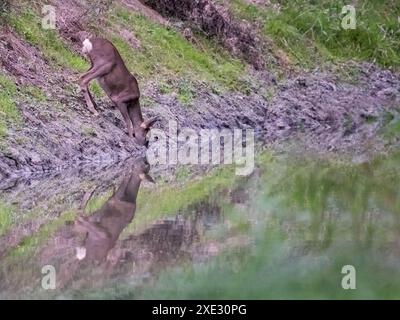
148	123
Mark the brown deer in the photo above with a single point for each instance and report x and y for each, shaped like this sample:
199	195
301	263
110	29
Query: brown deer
118	83
103	228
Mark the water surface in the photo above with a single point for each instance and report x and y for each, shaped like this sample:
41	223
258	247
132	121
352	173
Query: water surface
286	231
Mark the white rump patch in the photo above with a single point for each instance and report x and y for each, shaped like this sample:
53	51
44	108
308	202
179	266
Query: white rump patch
87	46
80	253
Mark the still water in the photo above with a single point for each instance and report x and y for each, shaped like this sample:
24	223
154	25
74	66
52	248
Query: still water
290	230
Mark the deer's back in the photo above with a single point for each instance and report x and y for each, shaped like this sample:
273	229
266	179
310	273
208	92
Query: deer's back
119	80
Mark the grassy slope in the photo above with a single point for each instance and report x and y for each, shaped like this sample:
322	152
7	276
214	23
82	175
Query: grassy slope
5	218
27	25
8	109
164	56
311	33
165	53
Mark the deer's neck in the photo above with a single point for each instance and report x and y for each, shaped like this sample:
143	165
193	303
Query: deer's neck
137	114
131	190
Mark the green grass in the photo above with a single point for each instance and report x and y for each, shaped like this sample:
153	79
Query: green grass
393	130
182	173
34	93
165	52
164	88
28	25
97	201
246	11
5	218
88	131
97	90
186	92
8	110
9	94
390	125
31	243
311	32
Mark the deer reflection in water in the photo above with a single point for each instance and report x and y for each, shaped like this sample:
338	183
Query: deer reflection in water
91	236
87	252
103	228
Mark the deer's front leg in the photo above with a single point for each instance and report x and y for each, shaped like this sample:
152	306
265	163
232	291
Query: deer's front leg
84	85
123	108
89	100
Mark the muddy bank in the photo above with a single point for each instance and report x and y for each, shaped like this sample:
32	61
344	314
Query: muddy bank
335	115
332	114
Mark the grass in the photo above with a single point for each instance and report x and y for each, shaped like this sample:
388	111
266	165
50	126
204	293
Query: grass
28	25
5	218
164	51
182	173
9	93
31	243
8	110
390	125
311	32
164	88
35	93
393	130
185	92
96	202
97	90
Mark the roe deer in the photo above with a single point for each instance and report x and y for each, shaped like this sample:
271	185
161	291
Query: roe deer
118	83
103	227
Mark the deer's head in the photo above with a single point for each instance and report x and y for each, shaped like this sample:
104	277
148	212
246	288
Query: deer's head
143	129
